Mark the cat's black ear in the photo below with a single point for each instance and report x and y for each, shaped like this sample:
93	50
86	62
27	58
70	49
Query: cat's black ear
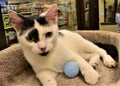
16	20
52	14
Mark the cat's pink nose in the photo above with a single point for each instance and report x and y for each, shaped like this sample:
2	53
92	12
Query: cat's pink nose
43	49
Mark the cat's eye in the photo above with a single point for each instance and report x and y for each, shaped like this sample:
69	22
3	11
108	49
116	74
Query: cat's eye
33	36
30	38
48	34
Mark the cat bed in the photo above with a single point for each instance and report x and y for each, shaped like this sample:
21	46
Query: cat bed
15	71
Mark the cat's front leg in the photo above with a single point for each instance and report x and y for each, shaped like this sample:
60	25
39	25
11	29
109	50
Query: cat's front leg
92	48
107	59
47	78
90	75
94	61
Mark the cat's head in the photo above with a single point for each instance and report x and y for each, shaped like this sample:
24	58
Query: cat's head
38	33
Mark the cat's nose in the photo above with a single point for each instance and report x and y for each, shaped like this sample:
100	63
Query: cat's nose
43	49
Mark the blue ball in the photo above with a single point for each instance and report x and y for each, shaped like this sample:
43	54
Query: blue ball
71	69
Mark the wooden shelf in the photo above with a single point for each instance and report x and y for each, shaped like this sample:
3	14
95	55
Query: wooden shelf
18	1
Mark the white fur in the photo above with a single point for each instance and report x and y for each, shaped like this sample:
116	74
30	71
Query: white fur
69	47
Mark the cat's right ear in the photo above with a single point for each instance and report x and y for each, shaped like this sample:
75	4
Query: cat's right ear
16	20
52	14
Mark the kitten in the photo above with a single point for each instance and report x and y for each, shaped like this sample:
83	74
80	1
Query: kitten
47	49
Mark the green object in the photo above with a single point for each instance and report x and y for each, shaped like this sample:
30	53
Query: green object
6	21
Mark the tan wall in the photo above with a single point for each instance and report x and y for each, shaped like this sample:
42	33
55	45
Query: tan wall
101	11
109	2
101	17
112	28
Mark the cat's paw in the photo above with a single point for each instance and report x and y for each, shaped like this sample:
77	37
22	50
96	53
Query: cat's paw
50	84
109	61
94	64
91	76
94	61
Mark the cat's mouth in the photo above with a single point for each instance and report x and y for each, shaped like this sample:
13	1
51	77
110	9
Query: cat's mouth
44	53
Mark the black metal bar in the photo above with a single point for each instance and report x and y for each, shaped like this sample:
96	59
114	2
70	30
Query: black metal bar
93	15
80	14
3	43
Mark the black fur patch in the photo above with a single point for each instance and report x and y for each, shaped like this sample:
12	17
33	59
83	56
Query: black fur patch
26	24
33	36
60	34
111	50
42	20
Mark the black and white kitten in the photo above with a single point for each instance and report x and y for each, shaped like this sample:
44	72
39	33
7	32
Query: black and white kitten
47	49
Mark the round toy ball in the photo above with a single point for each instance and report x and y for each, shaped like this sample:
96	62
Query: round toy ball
71	69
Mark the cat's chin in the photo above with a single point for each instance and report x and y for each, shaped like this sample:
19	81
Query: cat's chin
44	54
